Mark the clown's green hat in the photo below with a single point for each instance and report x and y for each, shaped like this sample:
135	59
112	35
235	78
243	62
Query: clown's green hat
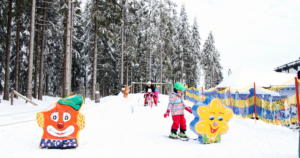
75	101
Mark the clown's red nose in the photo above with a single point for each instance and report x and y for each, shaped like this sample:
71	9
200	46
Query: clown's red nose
60	125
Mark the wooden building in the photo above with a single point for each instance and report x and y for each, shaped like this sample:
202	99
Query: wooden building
292	68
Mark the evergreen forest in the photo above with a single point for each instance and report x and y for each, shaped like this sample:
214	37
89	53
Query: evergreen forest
57	47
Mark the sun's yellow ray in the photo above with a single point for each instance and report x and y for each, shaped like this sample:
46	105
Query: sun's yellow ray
214	119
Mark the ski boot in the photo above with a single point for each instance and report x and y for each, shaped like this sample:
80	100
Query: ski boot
173	134
182	135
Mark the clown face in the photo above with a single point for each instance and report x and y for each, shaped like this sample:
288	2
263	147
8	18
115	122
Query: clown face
61	121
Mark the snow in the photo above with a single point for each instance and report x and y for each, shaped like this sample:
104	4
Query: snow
277	78
123	127
245	76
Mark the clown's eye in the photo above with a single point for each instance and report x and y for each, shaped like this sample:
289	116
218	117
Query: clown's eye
54	116
211	117
66	116
220	118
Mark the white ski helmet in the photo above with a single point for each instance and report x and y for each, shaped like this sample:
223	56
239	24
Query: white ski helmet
149	82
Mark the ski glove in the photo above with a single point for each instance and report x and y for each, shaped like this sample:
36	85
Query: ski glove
167	113
188	109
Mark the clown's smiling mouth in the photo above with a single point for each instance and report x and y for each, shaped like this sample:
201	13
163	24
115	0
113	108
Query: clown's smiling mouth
53	131
213	130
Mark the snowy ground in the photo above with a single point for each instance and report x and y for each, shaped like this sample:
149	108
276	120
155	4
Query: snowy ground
119	127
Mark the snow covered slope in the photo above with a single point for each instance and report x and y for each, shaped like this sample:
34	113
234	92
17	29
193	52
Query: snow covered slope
119	127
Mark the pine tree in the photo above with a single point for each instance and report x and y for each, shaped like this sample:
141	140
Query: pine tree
196	58
79	59
218	78
87	46
157	45
8	41
40	91
130	34
3	35
20	58
36	55
54	48
109	43
211	63
184	42
94	74
67	51
30	55
20	9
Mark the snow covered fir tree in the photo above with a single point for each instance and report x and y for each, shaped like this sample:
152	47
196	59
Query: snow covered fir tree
57	47
211	63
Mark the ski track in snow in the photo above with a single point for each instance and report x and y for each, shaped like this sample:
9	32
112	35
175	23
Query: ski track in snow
120	127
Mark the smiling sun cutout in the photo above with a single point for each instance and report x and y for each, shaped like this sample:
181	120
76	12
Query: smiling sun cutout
61	123
211	120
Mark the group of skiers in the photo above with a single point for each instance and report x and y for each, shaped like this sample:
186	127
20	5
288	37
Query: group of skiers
176	107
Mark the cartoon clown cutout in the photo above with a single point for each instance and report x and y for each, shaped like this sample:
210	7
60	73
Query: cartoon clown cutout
211	120
61	123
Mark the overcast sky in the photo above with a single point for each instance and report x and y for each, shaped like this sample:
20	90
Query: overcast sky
262	34
258	33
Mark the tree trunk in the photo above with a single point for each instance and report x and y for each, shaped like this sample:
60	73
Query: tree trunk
21	82
130	73
84	80
102	88
67	75
122	44
42	54
36	58
47	84
126	71
71	31
6	85
105	93
17	52
149	46
63	91
30	58
94	75
161	39
147	68
63	71
181	79
73	82
149	65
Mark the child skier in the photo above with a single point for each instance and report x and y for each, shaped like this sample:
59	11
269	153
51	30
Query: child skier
152	88
177	106
156	93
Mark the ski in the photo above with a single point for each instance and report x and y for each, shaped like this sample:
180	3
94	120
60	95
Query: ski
296	129
170	137
182	139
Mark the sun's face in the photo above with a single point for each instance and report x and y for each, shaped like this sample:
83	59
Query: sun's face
213	119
